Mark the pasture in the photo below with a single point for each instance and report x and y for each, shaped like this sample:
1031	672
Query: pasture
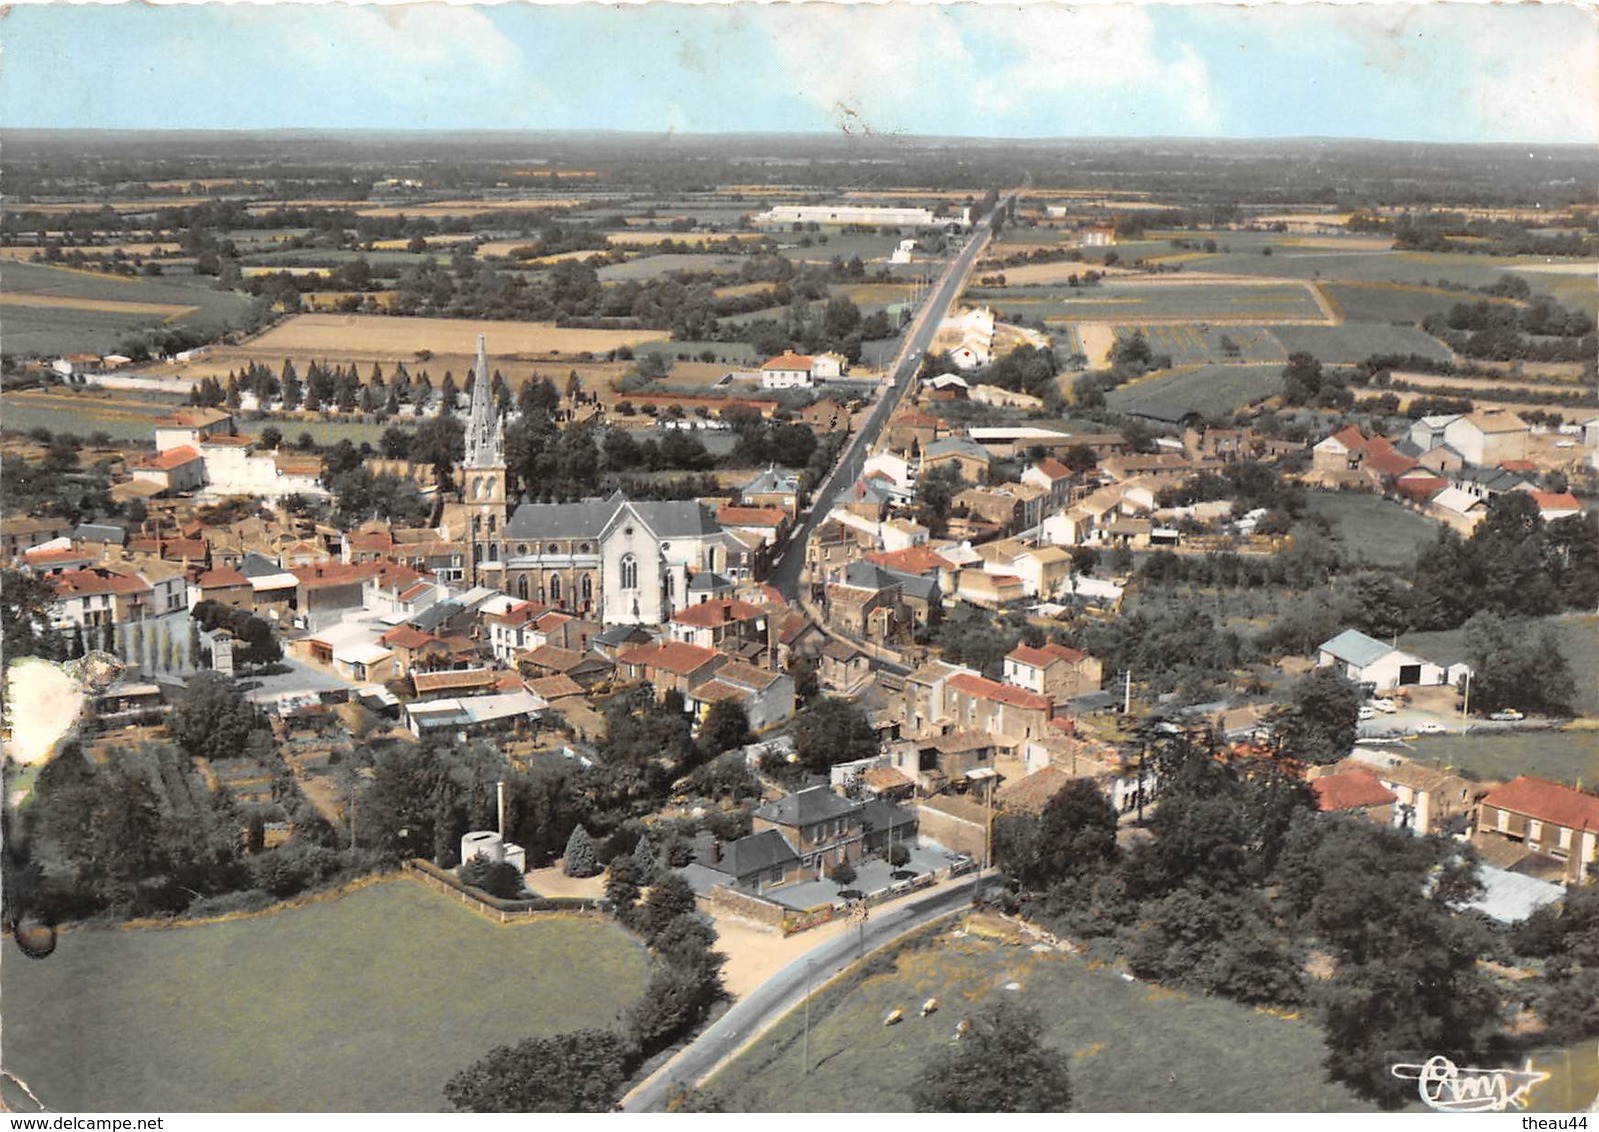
1210	391
1374	530
1132	1046
1394	302
652	266
1498	756
1197	344
368	1002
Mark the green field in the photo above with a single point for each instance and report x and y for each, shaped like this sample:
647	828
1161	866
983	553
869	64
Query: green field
1579	641
1134	1047
1391	303
871	249
1137	301
1374	530
651	266
365	1003
1571	757
1207	390
1199	344
61	330
1355	341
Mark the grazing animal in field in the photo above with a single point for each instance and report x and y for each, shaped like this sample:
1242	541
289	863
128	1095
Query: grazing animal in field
894	1017
929	1007
962	1028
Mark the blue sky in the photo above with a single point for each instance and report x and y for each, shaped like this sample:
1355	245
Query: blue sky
1424	72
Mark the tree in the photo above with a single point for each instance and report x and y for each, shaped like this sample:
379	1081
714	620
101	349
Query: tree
726	725
25	603
1318	725
1076	833
669	897
935	495
1515	665
582	1071
271	437
831	731
211	719
497	878
644	856
581	860
1001	1065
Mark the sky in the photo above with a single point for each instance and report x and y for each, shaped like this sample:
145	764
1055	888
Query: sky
1433	72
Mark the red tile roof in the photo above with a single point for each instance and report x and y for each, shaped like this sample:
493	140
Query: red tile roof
37	557
459	678
99	580
416	591
1053	468
168	460
730	516
1556	501
553	657
709	614
916	560
1547	801
1422	487
1350	790
985	689
555	687
1351	438
1386	459
520	614
678	657
406	637
789	361
222	576
1046	656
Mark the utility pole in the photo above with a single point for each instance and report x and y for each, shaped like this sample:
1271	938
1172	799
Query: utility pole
806	1055
1127	695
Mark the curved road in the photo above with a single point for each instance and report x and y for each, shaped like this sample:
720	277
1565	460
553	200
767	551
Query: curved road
786	572
788	988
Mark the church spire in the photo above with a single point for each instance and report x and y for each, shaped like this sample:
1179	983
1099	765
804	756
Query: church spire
485	439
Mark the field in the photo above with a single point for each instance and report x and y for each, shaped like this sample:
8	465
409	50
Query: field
445	209
1143	301
637	237
650	266
1197	344
1355	341
1207	390
1393	302
365	1003
399	339
124	415
60	310
1579	641
1375	530
1134	1047
1571	757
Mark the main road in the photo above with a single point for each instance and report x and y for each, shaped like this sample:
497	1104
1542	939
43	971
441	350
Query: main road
789	988
785	574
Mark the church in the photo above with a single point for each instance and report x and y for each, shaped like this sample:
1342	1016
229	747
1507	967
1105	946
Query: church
615	560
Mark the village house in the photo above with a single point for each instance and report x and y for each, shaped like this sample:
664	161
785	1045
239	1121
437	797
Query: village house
1356	793
1053	477
787	371
774	487
1428	800
670	666
976	703
99	596
1053	671
1545	820
842	668
20	533
766	696
822	828
971	461
470	717
723	624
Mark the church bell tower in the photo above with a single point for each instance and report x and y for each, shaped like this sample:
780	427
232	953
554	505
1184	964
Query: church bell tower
482	477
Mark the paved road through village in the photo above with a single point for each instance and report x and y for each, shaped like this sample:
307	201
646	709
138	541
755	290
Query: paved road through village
785	574
788	988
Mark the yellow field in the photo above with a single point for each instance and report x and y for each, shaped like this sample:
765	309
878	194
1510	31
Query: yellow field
446	208
506	247
205	183
63	207
400	338
109	306
399	245
739	290
329	300
289	269
1039	272
647	239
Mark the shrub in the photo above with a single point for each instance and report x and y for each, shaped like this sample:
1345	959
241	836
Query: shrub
581	860
497	878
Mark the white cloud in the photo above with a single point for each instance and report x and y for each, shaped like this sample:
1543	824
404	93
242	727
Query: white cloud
986	67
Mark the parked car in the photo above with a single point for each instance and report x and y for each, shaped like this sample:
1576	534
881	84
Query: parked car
1366	712
1385	706
1431	728
1509	714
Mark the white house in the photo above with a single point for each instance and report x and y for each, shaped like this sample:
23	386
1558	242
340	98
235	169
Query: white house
787	371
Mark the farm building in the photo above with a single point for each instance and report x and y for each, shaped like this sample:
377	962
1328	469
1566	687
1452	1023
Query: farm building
844	214
1381	667
1535	817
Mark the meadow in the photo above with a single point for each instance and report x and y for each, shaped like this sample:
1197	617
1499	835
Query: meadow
1571	757
1207	390
653	266
1372	529
368	1002
1133	1046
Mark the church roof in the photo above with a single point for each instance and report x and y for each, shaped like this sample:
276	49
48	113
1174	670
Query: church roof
562	520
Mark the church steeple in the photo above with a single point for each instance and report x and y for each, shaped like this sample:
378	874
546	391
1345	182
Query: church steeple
485	439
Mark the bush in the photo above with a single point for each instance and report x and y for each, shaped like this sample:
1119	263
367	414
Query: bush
497	878
843	873
899	856
581	860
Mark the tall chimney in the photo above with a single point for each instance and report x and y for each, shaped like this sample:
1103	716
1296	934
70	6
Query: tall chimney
499	790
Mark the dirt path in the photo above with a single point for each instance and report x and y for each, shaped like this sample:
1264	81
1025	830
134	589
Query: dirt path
755	954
